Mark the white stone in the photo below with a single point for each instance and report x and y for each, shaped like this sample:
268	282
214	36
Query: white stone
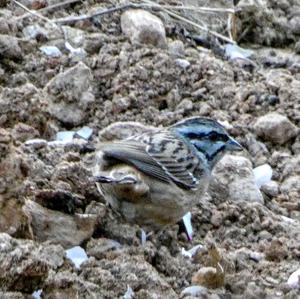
234	51
191	252
262	174
65	136
194	291
275	127
294	280
35	30
51	51
188	224
36	143
37	294
183	63
77	255
85	132
129	293
142	27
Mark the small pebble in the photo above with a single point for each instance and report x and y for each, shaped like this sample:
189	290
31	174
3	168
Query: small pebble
194	291
77	255
234	51
183	63
85	133
37	294
294	280
51	51
65	136
188	225
36	143
191	252
262	174
129	293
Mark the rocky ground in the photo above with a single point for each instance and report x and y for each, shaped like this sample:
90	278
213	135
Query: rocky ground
109	75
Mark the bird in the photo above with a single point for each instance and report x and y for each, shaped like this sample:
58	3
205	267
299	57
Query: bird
155	178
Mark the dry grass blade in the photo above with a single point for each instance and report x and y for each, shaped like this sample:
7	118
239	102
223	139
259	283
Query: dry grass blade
200	9
32	12
49	8
179	17
96	14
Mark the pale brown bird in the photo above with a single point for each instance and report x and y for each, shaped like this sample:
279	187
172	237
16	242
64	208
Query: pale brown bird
155	178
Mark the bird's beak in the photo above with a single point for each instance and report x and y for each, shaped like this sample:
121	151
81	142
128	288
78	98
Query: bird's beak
233	145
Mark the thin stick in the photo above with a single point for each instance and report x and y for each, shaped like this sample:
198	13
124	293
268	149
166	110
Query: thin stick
220	36
96	14
32	12
194	8
49	8
144	5
36	14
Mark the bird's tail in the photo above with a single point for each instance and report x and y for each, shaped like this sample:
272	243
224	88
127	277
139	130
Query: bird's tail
111	180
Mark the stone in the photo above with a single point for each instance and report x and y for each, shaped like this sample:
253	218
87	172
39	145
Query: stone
70	94
142	27
194	291
176	48
49	225
233	179
276	128
77	256
115	274
13	220
66	284
262	174
9	47
291	186
294	280
74	35
25	264
209	277
35	31
100	247
23	132
183	63
185	105
94	41
295	24
271	188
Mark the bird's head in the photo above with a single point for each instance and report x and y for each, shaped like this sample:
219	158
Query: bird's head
207	136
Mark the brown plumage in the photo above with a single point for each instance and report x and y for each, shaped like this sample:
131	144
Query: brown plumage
155	178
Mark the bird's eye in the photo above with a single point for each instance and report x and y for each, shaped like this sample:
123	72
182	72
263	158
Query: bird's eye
213	136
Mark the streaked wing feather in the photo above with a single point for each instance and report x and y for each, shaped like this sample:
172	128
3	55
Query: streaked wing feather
134	153
162	155
173	155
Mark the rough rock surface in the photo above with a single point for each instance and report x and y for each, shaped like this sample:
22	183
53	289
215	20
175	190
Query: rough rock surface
58	227
25	264
143	27
275	128
234	180
71	96
105	80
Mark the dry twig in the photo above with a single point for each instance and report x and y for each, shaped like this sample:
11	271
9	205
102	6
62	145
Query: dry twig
49	8
34	13
143	5
216	34
96	14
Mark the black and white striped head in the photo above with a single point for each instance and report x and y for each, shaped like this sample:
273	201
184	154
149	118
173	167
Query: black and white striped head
208	137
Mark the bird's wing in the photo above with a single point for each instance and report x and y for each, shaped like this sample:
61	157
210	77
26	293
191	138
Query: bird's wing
160	154
134	153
